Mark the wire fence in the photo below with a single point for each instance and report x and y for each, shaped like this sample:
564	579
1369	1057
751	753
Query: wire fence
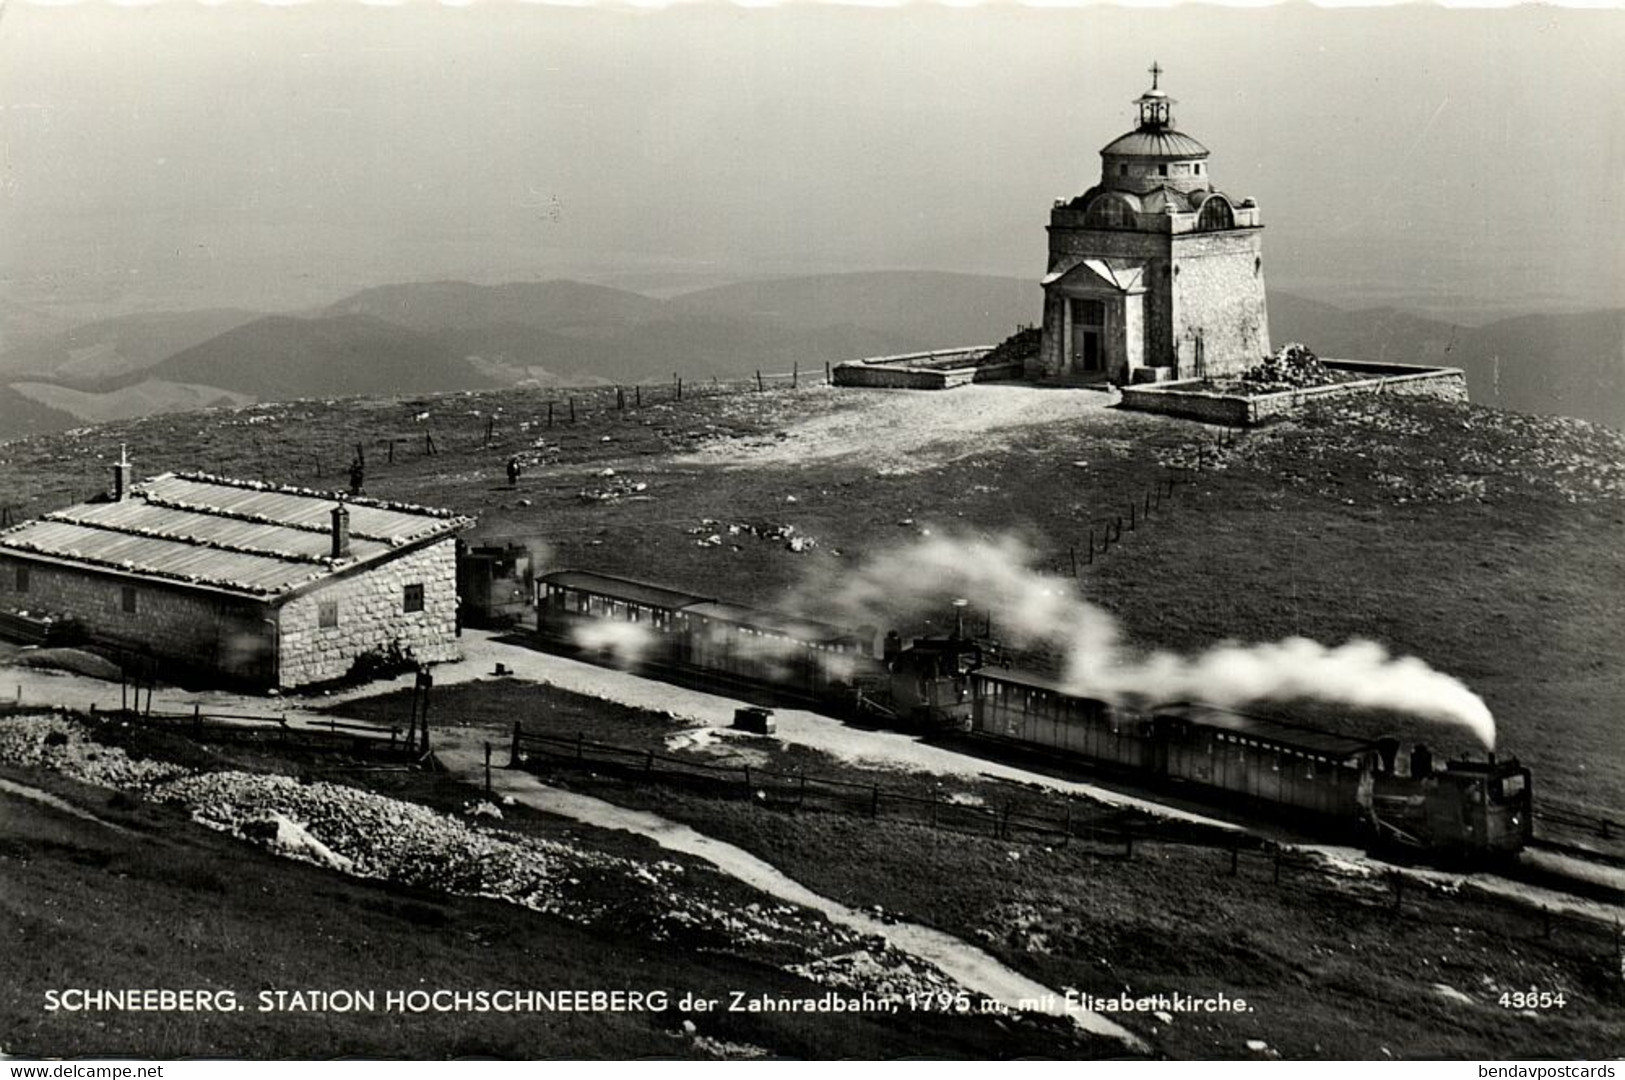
1058	820
800	790
1105	532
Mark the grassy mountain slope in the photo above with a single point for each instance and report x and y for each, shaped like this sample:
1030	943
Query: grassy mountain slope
149	397
564	307
21	415
118	346
282	357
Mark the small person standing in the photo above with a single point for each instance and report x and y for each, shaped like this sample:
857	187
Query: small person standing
513	472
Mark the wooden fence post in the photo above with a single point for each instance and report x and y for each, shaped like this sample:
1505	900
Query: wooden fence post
572	410
549	414
513	752
490	425
637	393
488	768
829	374
759	385
795	373
679	380
748	793
197	720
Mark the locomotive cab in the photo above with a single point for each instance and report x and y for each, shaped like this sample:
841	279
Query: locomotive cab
930	680
1469	809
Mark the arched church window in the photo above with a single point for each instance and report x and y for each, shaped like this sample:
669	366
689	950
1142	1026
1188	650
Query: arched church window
1109	213
1216	214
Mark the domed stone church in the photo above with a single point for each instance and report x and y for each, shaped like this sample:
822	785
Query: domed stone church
1153	272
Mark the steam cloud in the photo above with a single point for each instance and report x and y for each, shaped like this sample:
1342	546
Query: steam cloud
1032	608
623	642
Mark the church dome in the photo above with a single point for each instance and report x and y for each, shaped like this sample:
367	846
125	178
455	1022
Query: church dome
1166	143
1154	155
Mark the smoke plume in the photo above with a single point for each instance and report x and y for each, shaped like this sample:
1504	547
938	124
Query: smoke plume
1031	608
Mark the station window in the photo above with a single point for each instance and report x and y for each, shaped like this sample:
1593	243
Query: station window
413	599
1162	170
1122	170
22	579
327	614
129	599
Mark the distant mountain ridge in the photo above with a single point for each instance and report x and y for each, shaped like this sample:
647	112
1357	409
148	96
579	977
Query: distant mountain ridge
1566	365
450	335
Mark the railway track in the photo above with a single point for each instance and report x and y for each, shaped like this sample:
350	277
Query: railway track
1579	832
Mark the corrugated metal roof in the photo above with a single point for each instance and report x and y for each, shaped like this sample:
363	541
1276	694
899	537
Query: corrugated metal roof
232	535
1160	144
617	588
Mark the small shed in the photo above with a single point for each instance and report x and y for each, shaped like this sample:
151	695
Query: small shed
243	582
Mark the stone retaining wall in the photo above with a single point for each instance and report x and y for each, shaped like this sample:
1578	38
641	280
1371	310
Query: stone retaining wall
938	370
1190	400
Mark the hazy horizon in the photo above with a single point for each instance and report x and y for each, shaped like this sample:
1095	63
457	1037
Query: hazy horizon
177	156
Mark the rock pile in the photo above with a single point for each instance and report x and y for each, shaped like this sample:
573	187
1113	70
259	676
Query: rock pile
1293	367
61	745
612	487
711	533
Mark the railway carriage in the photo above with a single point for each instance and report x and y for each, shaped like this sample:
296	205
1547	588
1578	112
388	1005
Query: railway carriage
571	599
1015	706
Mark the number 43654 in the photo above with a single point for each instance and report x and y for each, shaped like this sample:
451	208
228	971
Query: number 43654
1532	999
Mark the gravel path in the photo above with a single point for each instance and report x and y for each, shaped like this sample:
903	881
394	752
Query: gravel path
906	430
970	967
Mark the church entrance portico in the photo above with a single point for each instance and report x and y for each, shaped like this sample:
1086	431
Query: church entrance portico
1093	319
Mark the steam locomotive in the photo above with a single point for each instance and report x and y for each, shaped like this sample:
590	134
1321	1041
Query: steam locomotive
956	682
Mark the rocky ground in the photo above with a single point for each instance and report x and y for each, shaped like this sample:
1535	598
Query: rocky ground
369	835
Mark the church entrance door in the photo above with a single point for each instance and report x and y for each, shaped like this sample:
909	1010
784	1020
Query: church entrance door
1088	337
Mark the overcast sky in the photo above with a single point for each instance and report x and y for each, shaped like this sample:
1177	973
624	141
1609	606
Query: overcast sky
180	156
